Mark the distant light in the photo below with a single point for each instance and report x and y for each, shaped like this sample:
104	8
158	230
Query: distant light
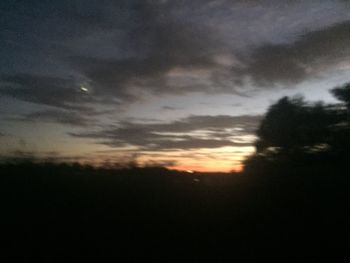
84	89
189	171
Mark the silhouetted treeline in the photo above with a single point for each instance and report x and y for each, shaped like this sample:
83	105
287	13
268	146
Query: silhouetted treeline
59	210
300	137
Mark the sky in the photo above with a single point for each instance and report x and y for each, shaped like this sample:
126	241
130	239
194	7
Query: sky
179	83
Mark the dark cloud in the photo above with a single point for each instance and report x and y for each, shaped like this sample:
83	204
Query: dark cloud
44	90
158	42
189	133
311	55
63	20
125	49
170	108
166	44
59	116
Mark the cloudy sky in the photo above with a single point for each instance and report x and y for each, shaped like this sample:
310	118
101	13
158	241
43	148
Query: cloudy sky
182	83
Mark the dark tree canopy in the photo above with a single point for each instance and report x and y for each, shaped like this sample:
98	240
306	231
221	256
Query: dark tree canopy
296	133
343	94
291	125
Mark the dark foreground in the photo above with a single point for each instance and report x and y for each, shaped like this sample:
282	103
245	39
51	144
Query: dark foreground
64	213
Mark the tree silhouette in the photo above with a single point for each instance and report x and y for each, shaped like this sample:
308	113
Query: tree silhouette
293	127
295	133
342	93
340	140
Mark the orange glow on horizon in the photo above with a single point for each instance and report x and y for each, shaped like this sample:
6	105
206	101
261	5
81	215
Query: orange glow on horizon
207	169
224	159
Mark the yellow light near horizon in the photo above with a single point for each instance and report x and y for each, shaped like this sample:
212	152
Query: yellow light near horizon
213	167
224	159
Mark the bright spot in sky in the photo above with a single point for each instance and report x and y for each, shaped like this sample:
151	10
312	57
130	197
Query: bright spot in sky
84	89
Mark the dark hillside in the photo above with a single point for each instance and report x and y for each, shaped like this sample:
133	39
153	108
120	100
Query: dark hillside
60	206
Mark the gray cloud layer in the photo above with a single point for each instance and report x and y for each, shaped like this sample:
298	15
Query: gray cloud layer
188	133
123	50
56	116
311	54
49	91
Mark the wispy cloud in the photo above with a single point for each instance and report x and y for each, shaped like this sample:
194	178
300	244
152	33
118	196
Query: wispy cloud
171	108
193	132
